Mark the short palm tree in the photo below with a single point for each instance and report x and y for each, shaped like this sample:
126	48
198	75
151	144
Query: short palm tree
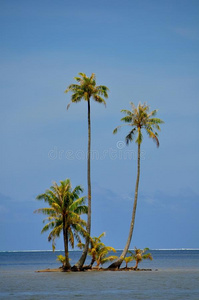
61	259
139	118
102	257
127	260
139	255
85	90
98	251
63	215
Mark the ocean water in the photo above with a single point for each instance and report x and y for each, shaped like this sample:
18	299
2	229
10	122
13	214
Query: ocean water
174	275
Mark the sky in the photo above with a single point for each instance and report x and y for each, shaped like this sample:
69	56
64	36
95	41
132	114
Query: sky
143	51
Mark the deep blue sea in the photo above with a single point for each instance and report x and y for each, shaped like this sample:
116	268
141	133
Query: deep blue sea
175	276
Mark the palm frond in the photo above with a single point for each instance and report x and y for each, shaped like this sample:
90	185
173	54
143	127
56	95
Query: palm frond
99	99
77	205
48	226
127	119
109	258
130	136
72	88
147	256
153	136
128	259
45	211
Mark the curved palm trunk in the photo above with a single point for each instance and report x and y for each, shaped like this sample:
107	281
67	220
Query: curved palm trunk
67	265
118	263
136	265
82	259
92	262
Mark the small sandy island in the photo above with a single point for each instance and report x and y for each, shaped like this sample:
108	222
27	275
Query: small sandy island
94	270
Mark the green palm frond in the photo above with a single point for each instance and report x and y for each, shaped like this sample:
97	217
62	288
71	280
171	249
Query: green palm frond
100	236
145	249
45	211
127	112
153	136
155	121
83	209
55	232
71	237
77	191
48	226
147	256
99	99
102	90
115	130
108	249
127	119
130	136
83	75
153	113
77	204
56	207
128	259
81	245
107	259
118	127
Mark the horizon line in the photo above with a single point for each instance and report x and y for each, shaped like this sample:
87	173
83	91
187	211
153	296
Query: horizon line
61	250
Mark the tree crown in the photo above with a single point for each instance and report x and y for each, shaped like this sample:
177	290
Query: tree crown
65	207
140	118
87	88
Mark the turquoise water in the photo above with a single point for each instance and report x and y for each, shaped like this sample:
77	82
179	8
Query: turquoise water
177	278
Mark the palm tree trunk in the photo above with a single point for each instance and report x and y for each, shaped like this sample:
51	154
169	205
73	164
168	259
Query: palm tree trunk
136	265
82	259
67	265
118	263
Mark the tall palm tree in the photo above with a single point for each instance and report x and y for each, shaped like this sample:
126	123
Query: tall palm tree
85	90
63	214
138	118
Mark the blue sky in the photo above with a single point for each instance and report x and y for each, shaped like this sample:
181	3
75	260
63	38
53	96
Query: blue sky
143	51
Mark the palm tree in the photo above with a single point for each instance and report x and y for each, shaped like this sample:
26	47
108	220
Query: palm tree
63	215
85	90
138	118
102	257
98	251
127	260
61	259
139	255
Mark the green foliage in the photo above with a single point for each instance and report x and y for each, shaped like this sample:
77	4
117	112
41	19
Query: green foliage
86	89
65	207
61	259
98	251
127	260
140	118
138	255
